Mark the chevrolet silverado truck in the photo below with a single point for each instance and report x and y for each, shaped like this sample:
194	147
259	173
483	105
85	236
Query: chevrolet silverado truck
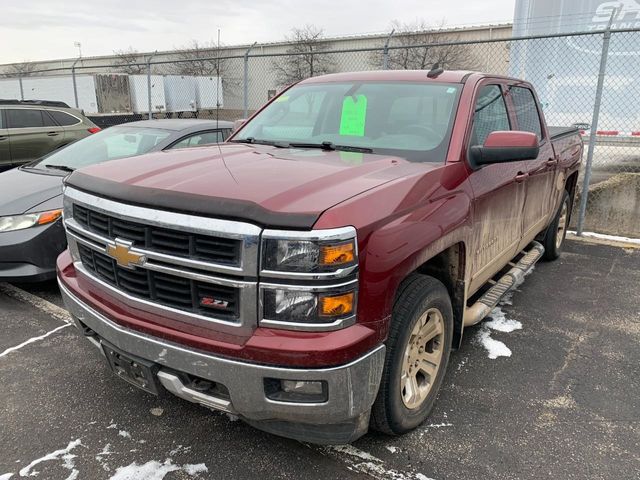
313	274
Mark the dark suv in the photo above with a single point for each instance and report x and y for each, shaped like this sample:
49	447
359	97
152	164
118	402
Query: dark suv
30	129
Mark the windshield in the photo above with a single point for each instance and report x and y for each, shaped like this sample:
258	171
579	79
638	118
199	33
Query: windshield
409	120
110	144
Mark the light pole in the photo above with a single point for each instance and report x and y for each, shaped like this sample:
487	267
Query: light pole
78	45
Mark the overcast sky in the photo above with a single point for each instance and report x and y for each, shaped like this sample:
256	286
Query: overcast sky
47	29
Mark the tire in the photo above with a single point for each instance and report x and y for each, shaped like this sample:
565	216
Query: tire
557	230
395	410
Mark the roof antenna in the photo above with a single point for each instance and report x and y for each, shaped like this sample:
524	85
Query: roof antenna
435	71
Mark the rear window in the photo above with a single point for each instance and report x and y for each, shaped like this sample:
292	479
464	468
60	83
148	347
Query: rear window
24	118
64	119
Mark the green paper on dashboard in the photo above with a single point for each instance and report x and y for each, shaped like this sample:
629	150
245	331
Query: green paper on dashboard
354	114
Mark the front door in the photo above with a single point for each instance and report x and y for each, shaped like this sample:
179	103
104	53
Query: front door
499	192
32	133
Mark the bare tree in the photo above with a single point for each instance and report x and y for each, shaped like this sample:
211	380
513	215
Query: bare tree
418	47
22	69
130	61
205	59
307	56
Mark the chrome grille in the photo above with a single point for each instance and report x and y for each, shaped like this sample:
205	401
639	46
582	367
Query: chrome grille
164	240
173	291
201	270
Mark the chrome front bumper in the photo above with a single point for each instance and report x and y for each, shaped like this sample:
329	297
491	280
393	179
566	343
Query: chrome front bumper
352	388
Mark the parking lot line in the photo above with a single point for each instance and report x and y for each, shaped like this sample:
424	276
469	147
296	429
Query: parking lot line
40	303
33	339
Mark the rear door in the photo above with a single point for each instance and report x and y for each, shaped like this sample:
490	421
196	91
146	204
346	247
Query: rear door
499	191
73	126
5	150
541	172
32	133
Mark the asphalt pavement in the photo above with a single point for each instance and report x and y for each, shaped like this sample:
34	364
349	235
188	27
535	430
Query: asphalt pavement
565	404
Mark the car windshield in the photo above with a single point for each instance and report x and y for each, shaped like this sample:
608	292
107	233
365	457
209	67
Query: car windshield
405	119
109	144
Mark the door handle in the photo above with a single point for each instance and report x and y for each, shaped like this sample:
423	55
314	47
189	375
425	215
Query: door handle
521	177
552	162
3	137
52	134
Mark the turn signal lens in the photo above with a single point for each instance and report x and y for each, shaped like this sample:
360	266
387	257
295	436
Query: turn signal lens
49	217
337	306
337	254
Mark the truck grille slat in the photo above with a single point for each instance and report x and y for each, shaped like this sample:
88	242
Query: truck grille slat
221	250
211	300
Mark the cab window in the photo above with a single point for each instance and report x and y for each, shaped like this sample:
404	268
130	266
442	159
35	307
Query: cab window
490	114
526	110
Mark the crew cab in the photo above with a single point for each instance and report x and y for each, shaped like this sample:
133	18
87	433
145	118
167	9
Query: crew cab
313	274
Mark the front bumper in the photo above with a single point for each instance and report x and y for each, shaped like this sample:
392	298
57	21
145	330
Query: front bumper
352	388
29	255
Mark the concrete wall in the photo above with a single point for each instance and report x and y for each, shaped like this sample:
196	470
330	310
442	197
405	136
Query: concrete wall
613	206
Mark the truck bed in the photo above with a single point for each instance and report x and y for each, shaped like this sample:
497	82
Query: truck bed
557	132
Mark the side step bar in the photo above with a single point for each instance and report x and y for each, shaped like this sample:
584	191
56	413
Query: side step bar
476	312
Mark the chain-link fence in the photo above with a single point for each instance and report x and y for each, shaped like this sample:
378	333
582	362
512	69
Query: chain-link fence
589	80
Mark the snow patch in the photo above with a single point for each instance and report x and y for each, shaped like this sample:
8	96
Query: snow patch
194	468
364	462
157	411
26	471
155	470
32	340
499	322
391	448
613	238
124	434
6	476
232	417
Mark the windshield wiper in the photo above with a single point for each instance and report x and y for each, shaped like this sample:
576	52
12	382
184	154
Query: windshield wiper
255	141
332	146
64	168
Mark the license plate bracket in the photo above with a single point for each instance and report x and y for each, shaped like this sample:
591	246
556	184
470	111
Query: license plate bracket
136	371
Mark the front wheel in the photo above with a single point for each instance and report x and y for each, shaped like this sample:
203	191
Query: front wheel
418	351
557	231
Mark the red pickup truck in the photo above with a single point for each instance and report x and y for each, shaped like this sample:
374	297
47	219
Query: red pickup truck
312	274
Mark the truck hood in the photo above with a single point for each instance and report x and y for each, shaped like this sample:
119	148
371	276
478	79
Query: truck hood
277	187
23	190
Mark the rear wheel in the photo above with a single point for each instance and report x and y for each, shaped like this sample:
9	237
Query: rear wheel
417	355
557	231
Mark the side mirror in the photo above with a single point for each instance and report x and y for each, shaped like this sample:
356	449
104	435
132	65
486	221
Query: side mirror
502	147
237	124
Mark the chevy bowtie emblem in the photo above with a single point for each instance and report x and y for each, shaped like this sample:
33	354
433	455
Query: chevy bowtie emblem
121	252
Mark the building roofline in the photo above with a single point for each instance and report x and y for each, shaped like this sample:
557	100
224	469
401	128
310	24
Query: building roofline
356	36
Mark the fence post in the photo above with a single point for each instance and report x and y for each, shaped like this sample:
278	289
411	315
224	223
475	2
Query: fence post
149	83
385	53
594	124
21	88
246	81
73	79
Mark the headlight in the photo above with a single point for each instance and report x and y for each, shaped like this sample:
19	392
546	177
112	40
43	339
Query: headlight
309	252
20	222
284	305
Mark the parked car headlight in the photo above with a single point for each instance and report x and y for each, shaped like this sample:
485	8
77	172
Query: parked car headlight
20	222
304	252
309	307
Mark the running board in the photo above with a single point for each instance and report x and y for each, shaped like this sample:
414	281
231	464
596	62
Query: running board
476	312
